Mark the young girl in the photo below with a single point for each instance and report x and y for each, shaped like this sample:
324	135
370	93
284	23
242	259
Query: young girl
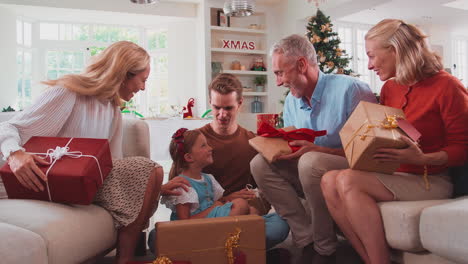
190	154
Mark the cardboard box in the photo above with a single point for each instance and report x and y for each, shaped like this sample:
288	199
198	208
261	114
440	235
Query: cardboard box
202	241
364	133
72	180
271	147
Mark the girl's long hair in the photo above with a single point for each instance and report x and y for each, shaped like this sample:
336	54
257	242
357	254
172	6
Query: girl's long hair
108	71
178	160
415	61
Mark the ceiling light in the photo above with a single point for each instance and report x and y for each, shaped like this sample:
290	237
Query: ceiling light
239	8
144	1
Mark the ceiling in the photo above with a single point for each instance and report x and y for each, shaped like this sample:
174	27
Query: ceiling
420	12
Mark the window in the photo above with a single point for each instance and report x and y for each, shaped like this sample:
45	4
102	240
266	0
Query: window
460	59
60	31
24	63
60	63
157	92
70	46
352	40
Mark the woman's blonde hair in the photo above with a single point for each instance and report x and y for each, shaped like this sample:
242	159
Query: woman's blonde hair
181	143
105	76
414	59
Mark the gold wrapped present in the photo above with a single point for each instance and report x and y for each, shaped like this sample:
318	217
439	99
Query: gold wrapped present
259	202
272	143
371	127
222	240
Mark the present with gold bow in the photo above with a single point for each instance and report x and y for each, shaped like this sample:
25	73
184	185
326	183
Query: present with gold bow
272	143
225	240
371	127
258	202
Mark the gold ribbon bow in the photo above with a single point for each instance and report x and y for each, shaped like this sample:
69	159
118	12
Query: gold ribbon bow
162	260
232	242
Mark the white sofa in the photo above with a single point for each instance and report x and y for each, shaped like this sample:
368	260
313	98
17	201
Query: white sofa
39	232
429	232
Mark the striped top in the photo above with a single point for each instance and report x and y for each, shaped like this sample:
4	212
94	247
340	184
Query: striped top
59	112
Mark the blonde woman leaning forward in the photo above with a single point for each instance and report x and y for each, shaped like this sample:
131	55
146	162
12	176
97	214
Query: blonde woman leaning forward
87	105
436	103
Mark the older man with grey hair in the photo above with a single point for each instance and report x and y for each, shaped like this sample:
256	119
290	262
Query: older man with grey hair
317	101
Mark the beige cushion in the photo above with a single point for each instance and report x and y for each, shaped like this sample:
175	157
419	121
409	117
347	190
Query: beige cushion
136	140
444	230
401	223
71	233
18	245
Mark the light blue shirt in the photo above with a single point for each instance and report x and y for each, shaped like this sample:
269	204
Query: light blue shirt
333	100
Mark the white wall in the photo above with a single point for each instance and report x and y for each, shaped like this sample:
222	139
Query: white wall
183	81
8	58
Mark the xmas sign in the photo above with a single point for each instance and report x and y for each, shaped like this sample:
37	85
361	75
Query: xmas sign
238	44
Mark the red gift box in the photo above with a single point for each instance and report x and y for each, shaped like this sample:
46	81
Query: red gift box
73	178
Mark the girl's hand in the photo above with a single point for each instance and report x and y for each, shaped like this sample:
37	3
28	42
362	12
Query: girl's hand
410	155
170	186
23	165
244	193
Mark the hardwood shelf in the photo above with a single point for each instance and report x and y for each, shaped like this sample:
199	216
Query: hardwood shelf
234	51
255	93
238	30
236	72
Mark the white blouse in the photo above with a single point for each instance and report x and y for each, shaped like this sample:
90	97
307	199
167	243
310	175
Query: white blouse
191	196
59	112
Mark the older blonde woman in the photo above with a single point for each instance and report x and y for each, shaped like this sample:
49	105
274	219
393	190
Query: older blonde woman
436	103
87	105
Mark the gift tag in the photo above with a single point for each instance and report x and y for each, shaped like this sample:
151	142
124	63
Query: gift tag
409	129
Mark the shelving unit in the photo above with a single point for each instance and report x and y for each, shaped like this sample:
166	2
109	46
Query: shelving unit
241	30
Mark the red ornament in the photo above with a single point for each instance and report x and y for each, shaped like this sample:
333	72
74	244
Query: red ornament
188	109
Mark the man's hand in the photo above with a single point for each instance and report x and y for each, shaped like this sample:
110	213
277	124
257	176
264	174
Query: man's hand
170	186
244	193
305	146
24	167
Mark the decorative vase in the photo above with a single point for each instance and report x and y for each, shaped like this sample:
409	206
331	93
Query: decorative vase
257	106
259	88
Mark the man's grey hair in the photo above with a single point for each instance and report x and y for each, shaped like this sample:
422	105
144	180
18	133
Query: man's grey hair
295	46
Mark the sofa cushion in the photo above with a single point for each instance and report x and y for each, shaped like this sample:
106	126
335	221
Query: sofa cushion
71	233
444	229
136	138
19	245
401	223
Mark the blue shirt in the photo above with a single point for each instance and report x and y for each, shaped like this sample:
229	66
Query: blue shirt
333	100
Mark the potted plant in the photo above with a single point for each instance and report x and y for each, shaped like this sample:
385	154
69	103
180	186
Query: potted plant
259	82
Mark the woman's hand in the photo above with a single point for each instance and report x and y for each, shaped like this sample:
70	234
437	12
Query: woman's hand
23	165
170	186
410	155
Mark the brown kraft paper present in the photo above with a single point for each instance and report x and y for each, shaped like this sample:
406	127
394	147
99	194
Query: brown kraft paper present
364	133
202	241
271	148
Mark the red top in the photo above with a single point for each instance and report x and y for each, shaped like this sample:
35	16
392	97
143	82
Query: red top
438	108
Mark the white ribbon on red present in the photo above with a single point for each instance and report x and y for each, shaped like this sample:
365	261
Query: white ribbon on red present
58	153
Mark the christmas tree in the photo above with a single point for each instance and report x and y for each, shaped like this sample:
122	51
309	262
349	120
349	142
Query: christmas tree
331	58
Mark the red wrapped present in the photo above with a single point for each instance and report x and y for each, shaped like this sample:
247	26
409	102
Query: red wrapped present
78	168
